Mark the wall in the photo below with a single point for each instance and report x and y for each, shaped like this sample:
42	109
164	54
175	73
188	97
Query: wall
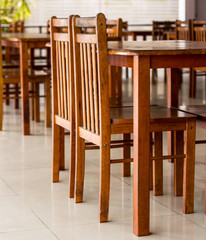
134	11
201	9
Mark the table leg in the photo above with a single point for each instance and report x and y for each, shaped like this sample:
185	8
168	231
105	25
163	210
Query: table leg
24	87
141	96
173	78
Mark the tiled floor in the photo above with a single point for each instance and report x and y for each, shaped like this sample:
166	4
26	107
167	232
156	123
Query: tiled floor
31	207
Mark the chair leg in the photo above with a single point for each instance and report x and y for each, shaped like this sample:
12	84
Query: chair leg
178	164
36	104
189	168
192	85
151	163
115	76
47	108
72	163
119	81
154	76
16	102
62	158
32	89
80	165
104	182
126	155
56	151
7	94
127	72
170	145
157	165
165	75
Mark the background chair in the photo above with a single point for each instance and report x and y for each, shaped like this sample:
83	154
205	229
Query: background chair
183	32
11	60
198	29
159	30
63	96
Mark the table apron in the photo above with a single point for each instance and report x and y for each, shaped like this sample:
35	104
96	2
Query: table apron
161	61
7	43
16	44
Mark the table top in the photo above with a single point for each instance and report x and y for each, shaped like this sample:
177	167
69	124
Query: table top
26	36
166	47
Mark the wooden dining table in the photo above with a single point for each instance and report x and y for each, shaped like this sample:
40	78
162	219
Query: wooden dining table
142	56
25	42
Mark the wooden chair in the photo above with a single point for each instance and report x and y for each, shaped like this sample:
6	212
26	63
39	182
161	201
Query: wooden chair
63	96
11	57
63	92
95	121
198	29
159	29
16	26
12	76
114	29
183	31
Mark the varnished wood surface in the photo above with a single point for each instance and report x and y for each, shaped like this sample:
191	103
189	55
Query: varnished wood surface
24	41
157	114
26	36
142	56
198	110
167	47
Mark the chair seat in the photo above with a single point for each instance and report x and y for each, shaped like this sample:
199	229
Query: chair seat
157	115
197	110
12	75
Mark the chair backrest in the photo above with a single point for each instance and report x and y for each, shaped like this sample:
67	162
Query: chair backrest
91	74
199	30
183	30
114	30
62	67
159	29
125	25
16	27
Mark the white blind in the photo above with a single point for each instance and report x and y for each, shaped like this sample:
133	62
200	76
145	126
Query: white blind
133	11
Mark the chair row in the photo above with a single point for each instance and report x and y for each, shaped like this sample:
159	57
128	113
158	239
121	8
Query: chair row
81	104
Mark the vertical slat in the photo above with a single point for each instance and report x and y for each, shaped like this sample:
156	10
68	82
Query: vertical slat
83	86
96	100
90	86
87	87
58	80
68	78
61	82
64	84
